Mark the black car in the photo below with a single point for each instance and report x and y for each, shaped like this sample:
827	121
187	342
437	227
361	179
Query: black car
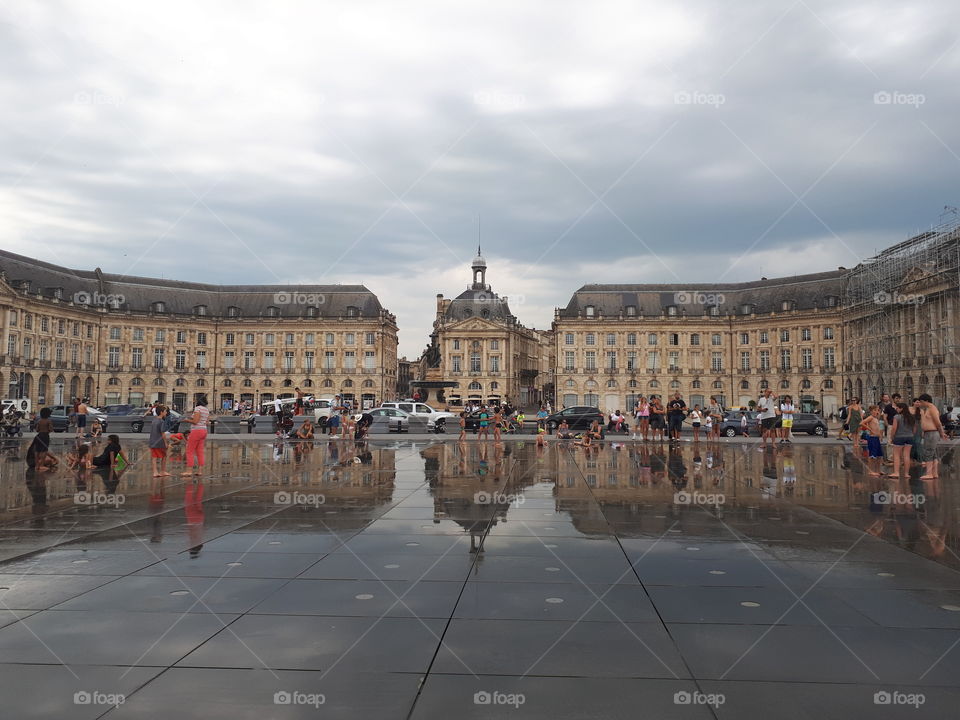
730	425
61	415
810	423
579	418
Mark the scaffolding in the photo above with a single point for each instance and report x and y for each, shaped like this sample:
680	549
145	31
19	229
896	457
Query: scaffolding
900	309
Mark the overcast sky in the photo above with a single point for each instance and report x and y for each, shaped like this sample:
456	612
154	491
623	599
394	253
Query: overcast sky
315	142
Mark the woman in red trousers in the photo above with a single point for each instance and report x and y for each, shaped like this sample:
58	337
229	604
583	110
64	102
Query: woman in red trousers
197	436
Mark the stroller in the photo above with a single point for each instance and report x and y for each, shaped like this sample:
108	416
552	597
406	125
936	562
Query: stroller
10	424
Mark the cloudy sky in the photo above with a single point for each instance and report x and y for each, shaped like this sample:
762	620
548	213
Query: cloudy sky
324	142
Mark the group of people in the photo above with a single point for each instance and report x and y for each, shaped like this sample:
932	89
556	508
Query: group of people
913	431
654	418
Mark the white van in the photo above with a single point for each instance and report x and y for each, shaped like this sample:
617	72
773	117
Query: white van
322	407
15	405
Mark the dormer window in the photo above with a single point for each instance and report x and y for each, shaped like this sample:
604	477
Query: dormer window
200	310
57	293
467	312
273	311
312	311
158	307
713	310
786	305
233	311
831	300
352	311
590	311
25	285
631	310
746	309
671	310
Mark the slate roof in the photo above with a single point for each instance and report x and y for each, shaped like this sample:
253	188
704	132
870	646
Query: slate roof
179	297
478	303
763	296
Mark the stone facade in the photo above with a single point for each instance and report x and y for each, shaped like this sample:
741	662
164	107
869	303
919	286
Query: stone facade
117	339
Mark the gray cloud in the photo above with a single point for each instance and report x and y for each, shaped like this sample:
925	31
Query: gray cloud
346	143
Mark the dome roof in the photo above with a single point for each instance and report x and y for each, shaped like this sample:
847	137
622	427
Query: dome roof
478	303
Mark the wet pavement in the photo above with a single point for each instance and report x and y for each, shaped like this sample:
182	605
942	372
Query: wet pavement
407	579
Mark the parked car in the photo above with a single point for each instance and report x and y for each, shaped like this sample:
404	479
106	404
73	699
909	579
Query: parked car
387	419
134	418
579	418
730	425
436	419
61	415
810	423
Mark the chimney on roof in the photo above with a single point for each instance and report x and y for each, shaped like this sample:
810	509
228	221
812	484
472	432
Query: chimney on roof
841	268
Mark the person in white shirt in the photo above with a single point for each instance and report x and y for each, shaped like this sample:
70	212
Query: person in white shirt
767	405
786	418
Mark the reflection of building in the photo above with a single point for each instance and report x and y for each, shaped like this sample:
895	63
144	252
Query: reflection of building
900	319
114	339
617	342
479	351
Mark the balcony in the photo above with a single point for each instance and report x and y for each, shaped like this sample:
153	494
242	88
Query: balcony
743	371
675	370
652	371
74	366
610	371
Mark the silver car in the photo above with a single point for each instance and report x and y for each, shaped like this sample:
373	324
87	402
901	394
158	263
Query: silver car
387	419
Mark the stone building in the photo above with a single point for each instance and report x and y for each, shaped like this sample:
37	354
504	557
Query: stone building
480	352
119	339
615	343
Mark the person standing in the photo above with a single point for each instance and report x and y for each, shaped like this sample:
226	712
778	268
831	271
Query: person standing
463	427
299	401
198	436
695	417
854	418
767	405
902	432
158	443
484	418
786	418
677	410
642	416
932	430
81	410
871	426
715	412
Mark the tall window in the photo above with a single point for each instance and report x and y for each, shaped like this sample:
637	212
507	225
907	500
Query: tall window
201	338
591	363
308	357
248	339
114	333
456	363
288	339
180	359
248	360
716	340
744	338
673	359
828	333
805	334
475	361
349	339
764	337
369	359
785	358
495	363
591	339
158	356
569	361
269	339
113	357
632	360
329	360
229	358
784	336
201	359
744	360
568	339
328	339
829	359
138	334
694	338
716	361
631	338
229	339
653	360
288	360
59	351
764	360
137	358
309	339
806	358
269	357
181	336
611	339
652	339
350	360
494	344
611	363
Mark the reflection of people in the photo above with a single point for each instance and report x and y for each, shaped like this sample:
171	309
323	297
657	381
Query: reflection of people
193	510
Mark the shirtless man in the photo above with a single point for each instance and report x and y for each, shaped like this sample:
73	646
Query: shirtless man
932	430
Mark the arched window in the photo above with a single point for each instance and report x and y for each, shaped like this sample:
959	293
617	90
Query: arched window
696	384
111	381
268	383
632	384
137	381
247	382
328	383
475	386
717	385
674	384
611	383
158	382
308	383
288	382
828	384
744	384
228	383
348	383
784	384
806	384
180	382
368	383
201	382
653	384
494	385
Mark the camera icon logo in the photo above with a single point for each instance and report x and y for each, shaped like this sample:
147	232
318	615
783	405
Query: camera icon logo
282	697
482	698
882	498
682	498
81	498
882	698
682	698
82	697
82	298
282	497
482	498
